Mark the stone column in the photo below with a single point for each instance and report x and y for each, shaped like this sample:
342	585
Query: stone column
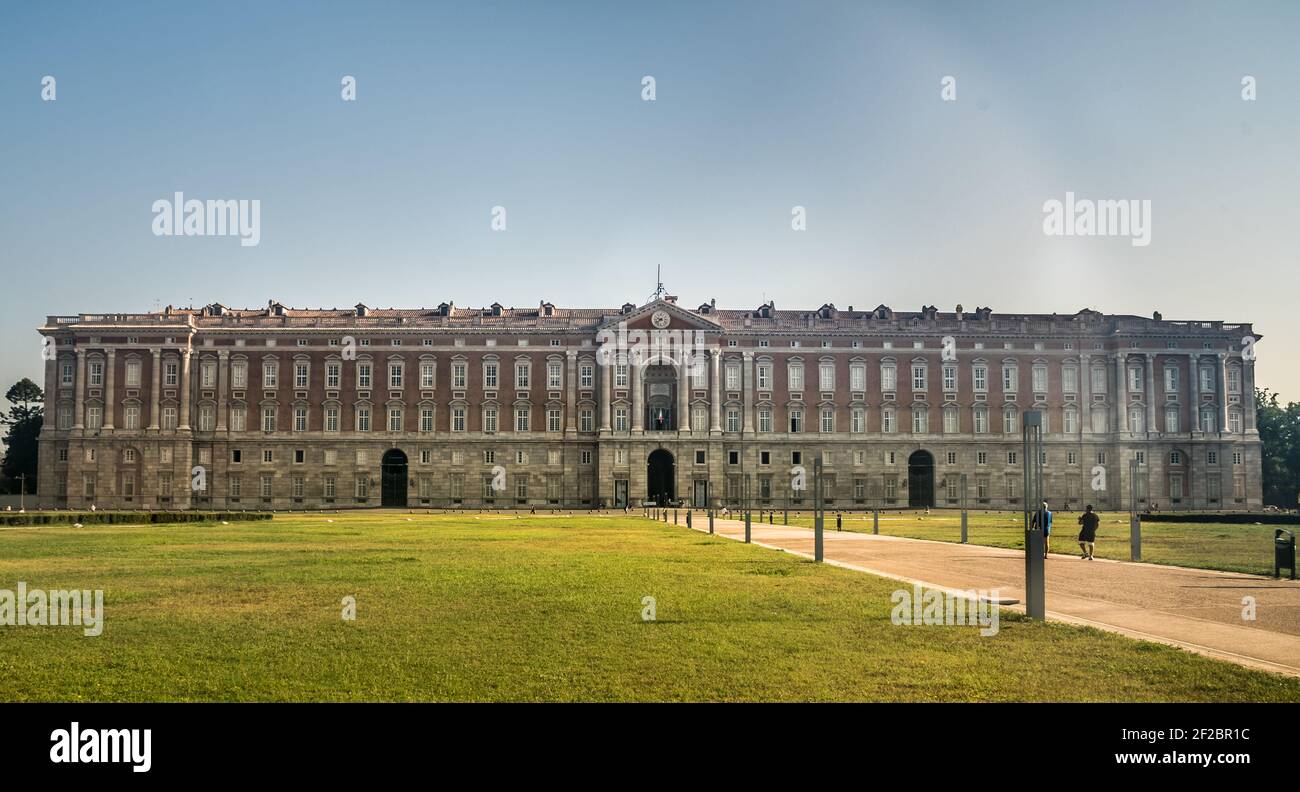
638	398
79	409
606	392
157	390
747	382
223	382
185	390
1194	388
1151	392
684	393
715	391
1221	377
1121	392
571	392
110	380
1085	394
1248	394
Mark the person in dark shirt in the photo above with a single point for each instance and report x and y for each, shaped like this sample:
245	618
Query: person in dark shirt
1088	533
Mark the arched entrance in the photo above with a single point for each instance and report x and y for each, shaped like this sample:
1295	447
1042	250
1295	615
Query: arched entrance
393	487
920	480
659	476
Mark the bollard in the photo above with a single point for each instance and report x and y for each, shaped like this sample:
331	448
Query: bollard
688	519
839	522
747	527
770	517
875	521
710	520
785	516
818	522
674	516
1135	538
964	535
1034	563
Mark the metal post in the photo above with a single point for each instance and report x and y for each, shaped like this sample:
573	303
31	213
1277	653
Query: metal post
819	512
1134	519
875	519
1032	432
688	519
674	516
965	535
785	516
744	494
710	520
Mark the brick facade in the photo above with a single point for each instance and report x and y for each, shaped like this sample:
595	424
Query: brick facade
289	409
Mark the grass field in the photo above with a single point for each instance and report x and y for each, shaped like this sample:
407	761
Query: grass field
465	608
1228	547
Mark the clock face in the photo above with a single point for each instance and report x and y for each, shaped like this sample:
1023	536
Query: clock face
660	319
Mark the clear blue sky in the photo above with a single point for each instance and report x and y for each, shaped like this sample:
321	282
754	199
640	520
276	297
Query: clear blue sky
760	107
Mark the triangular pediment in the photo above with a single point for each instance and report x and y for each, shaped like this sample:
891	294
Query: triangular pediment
678	318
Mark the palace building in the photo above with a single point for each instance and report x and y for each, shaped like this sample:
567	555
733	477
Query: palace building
450	407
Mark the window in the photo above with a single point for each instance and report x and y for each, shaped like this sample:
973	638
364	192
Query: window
1209	421
239	374
1010	420
826	376
1069	420
1135	379
270	374
1010	377
828	420
489	420
300	374
920	420
796	421
523	373
365	373
1098	378
522	415
857	377
887	422
132	373
951	420
764	376
169	418
981	420
394	419
732	377
587	376
132	416
395	371
733	419
269	418
332	418
1171	379
919	376
980	378
1069	379
1136	422
490	374
858	420
888	378
620	419
1234	421
458	374
1234	380
94	417
620	375
554	375
96	368
171	373
66	372
949	378
1100	420
300	419
457	419
332	372
1038	377
586	420
363	419
795	373
1207	379
764	420
1171	419
552	420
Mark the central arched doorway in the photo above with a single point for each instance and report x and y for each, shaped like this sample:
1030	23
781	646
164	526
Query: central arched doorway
920	480
393	482
659	476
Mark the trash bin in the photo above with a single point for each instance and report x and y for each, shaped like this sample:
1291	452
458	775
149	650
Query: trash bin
1283	552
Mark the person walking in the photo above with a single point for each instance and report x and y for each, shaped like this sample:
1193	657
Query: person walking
1043	522
1088	533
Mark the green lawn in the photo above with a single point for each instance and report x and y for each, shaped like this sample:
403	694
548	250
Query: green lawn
1232	548
529	609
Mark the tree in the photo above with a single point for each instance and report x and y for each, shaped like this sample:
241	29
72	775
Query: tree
1279	432
24	420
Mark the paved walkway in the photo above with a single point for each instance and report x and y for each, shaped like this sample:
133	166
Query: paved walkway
1196	609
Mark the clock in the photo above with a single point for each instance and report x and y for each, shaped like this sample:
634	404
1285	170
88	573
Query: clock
660	319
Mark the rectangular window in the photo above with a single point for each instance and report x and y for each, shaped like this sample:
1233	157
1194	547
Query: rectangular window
270	374
980	378
364	373
239	375
459	371
490	372
919	377
858	378
300	373
764	376
888	378
522	415
554	375
426	419
523	372
586	376
826	377
765	420
394	419
332	374
828	420
395	372
426	375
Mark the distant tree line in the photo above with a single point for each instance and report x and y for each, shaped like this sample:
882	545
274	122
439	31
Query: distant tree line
1279	430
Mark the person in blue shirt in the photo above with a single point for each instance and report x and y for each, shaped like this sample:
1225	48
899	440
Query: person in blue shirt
1043	521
